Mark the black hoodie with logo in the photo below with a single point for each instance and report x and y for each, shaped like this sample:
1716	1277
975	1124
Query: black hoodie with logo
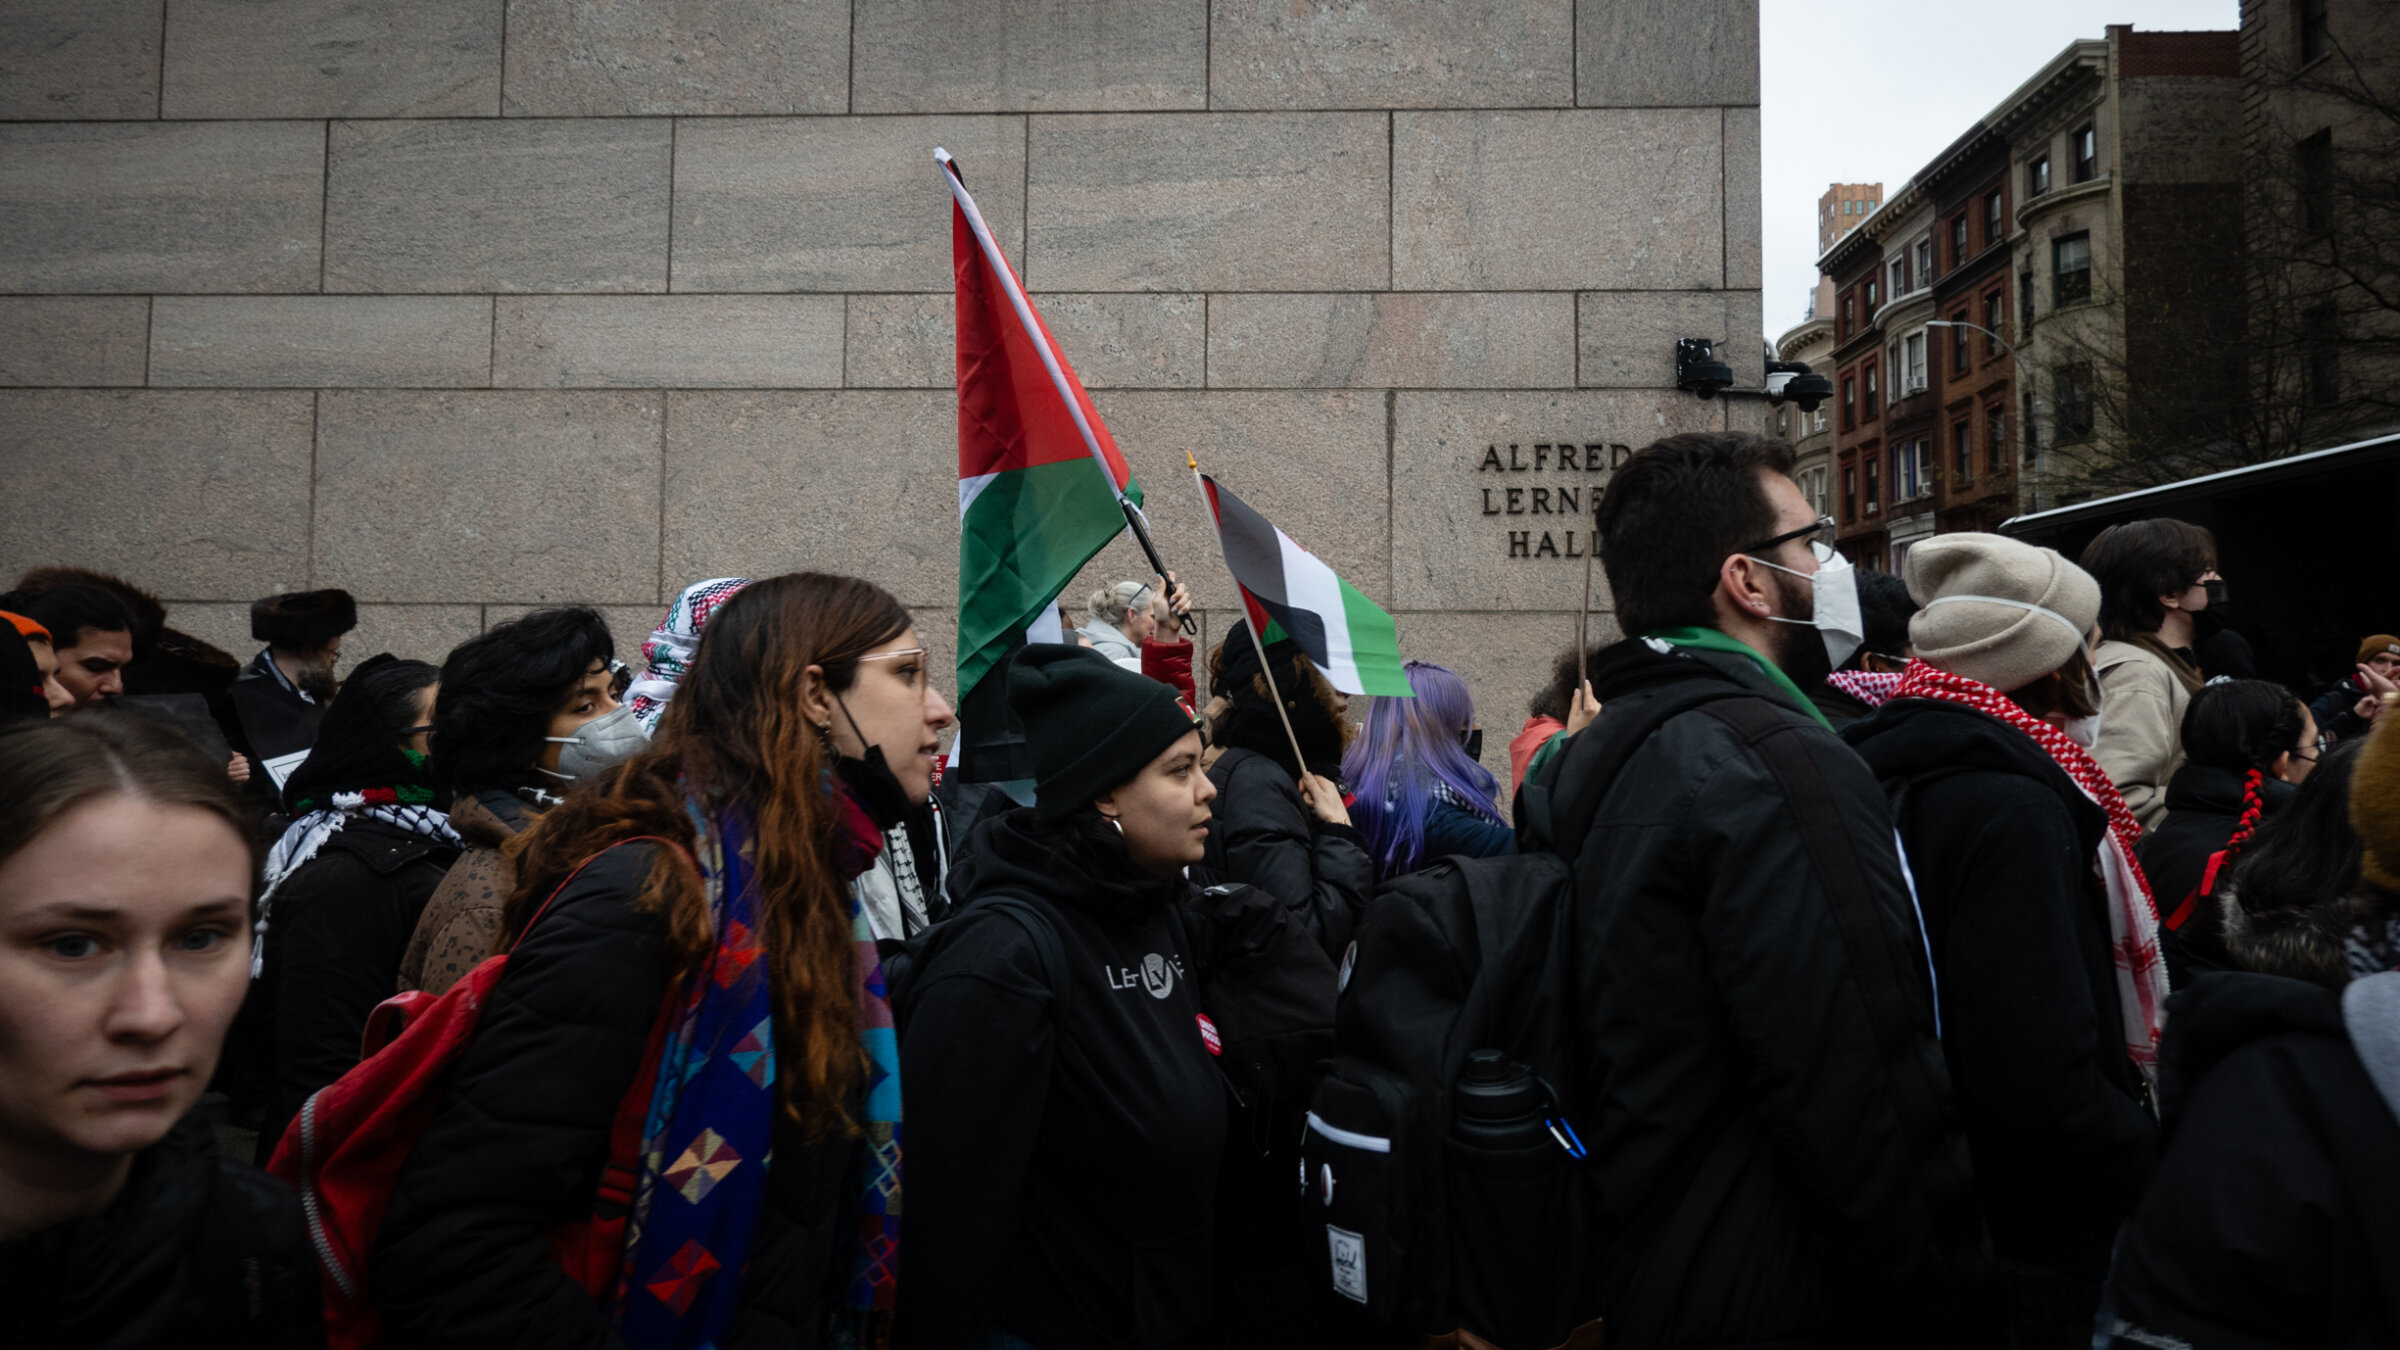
1061	1169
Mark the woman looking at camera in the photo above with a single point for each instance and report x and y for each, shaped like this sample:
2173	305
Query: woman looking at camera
125	883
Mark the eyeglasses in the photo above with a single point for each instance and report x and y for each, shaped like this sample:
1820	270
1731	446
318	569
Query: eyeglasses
922	655
1819	534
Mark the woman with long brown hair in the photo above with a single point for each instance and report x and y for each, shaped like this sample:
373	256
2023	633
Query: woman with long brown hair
697	949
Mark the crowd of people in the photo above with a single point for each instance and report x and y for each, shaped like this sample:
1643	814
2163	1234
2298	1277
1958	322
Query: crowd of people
1978	956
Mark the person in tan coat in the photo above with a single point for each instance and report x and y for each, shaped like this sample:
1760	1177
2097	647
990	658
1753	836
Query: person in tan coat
507	737
2152	576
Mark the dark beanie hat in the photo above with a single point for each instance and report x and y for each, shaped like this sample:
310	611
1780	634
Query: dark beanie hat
1092	723
303	618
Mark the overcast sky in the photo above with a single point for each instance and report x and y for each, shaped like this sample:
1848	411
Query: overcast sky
1866	91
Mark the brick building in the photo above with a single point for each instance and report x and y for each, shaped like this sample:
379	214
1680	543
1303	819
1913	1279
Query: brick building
1976	459
1843	208
1855	267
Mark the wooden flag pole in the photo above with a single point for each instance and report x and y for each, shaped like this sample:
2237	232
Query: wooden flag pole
1250	622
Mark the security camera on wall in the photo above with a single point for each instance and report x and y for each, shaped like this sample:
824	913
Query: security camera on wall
1794	382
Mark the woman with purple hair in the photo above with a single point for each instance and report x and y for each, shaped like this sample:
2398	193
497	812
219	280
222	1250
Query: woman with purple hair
1422	794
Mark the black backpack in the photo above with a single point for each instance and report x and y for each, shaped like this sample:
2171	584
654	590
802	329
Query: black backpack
1421	1233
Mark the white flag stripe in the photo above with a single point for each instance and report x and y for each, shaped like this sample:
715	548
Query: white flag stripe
971	488
1309	584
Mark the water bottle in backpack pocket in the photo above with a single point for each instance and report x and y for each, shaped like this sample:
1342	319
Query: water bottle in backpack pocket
1512	1173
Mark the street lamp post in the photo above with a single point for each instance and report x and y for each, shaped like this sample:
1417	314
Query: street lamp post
2022	375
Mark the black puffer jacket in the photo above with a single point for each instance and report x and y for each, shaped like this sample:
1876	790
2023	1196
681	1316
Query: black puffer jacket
2204	803
1265	836
2001	844
463	1259
1062	1164
198	1253
2275	1217
335	934
1721	980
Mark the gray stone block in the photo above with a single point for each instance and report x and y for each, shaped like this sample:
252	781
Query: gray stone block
184	492
1392	54
1113	341
669	341
1606	199
1470	536
498	206
1743	225
858	481
1314	463
1517	340
410	632
513	497
1261	201
836	204
1627	338
983	56
85	60
191	206
1666	53
614	58
314	341
73	340
332	58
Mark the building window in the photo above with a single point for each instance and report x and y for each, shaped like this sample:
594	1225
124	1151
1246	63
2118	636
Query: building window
1912	361
1991	323
1900	284
1847	318
2087	154
2071	270
2024	300
1958	239
1871	298
2032	438
2316	35
1849	493
1874	505
1924	275
1849	404
1995	438
1962	453
2037	177
1958	343
2316	182
2074	386
1869	376
1912	471
1993	226
2323	327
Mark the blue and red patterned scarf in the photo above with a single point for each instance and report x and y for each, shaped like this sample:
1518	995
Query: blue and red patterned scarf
705	1144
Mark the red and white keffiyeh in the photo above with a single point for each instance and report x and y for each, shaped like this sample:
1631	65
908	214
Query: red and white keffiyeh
1871	687
2132	912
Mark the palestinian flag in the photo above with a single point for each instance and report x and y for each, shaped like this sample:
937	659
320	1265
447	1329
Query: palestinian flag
1039	483
1348	636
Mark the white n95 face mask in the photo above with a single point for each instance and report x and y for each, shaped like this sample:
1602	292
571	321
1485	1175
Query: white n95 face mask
610	738
1833	609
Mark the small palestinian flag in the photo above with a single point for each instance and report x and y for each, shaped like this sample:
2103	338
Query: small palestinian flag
1349	637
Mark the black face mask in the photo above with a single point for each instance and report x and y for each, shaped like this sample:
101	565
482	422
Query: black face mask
2209	622
1473	741
871	780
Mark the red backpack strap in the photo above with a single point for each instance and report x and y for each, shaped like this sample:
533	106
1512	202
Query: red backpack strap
570	877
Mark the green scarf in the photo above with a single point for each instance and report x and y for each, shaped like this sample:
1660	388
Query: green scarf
1711	640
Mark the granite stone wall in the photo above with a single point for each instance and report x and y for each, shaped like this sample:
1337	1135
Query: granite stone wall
477	305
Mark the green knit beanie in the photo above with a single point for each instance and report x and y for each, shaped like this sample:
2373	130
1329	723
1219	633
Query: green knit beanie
1092	724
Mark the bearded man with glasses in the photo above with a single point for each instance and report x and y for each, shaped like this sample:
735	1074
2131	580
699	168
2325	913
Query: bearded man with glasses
1774	1153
